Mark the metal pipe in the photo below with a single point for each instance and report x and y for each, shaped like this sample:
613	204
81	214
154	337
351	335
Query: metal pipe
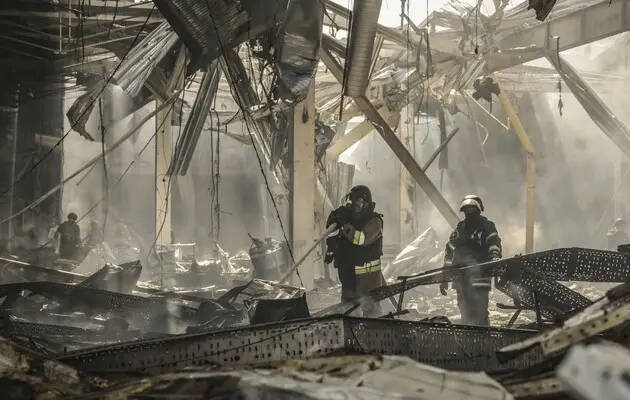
530	175
439	149
361	47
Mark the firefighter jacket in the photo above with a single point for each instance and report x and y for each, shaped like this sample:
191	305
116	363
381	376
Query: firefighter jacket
69	235
616	237
360	245
474	241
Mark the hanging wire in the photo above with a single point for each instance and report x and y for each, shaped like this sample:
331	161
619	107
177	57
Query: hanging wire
111	76
256	151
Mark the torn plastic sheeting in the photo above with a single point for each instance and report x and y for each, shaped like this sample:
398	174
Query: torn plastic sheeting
298	43
142	59
412	259
79	112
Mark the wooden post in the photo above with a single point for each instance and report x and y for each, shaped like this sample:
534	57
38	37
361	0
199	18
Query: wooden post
302	190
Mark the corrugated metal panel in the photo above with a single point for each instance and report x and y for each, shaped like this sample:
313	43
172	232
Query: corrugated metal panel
299	42
188	142
143	58
204	26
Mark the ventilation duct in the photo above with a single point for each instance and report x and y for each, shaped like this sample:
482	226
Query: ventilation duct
201	107
143	58
298	43
362	35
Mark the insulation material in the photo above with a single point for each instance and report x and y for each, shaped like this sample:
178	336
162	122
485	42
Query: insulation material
79	113
414	258
143	58
298	44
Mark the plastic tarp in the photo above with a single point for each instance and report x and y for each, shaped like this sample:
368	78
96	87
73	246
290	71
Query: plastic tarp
420	255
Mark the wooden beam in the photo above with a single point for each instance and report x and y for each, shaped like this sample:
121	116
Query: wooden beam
530	175
302	187
383	128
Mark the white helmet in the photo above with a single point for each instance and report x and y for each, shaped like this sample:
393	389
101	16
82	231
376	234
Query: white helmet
471	200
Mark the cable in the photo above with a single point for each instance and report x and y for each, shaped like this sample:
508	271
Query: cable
169	179
85	111
113	19
249	131
28	253
102	126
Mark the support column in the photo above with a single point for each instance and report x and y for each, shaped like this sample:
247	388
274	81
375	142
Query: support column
163	155
530	175
9	105
302	190
406	185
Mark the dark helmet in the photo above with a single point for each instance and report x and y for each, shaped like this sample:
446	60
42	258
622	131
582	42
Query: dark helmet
360	200
619	222
471	200
72	217
360	192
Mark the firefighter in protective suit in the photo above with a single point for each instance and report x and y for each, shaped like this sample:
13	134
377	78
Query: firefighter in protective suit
475	240
356	248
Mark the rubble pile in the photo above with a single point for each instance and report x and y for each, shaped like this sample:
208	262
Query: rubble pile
112	335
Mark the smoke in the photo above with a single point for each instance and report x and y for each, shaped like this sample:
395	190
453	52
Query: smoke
578	167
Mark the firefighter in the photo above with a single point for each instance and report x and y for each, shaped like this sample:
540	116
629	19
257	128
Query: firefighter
69	235
475	240
617	234
356	247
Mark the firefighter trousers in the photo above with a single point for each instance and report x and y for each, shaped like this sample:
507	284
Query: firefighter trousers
473	305
360	286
